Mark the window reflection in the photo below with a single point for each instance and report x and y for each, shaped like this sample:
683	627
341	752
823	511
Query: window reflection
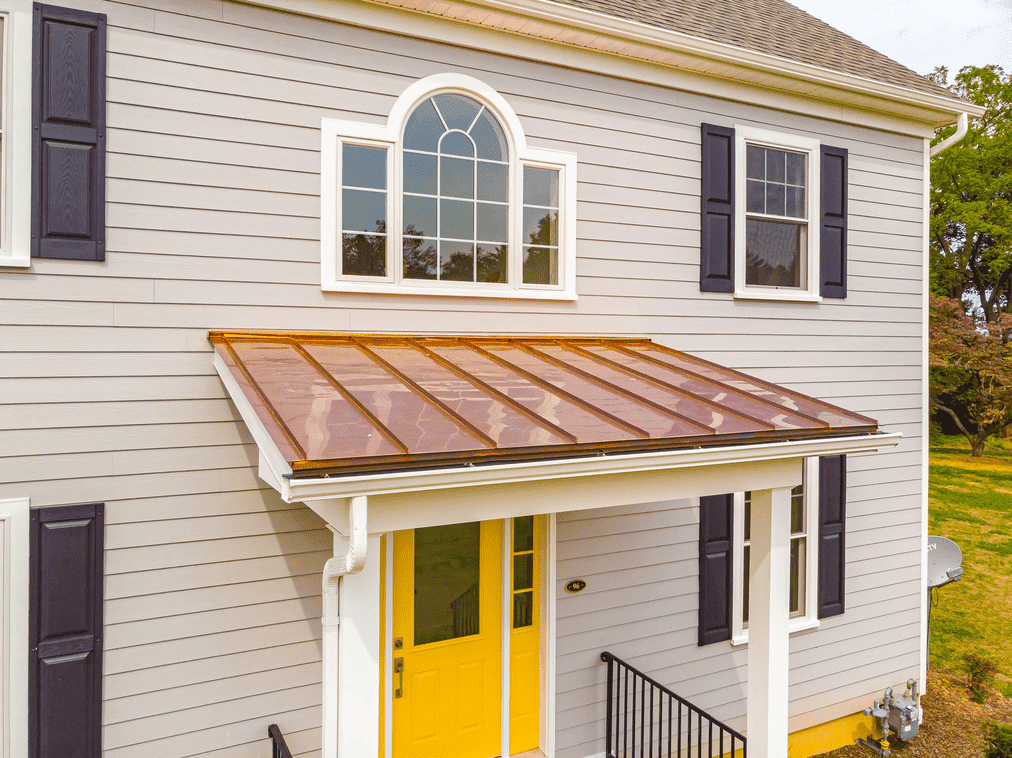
541	226
447	572
363	210
455	155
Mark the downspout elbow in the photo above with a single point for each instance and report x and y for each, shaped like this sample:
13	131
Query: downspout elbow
353	560
962	126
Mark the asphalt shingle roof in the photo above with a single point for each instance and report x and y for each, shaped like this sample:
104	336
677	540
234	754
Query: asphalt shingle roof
774	27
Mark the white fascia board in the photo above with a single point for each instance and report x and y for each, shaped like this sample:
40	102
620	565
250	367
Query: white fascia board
567	27
316	488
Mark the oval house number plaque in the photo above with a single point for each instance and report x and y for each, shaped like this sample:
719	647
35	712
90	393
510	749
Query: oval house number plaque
576	585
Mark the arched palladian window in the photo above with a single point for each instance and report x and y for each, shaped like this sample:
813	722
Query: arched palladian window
447	199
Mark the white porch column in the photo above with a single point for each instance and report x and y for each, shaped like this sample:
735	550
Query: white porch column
351	659
768	619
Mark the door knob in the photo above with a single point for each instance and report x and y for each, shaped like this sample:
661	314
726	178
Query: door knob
399	670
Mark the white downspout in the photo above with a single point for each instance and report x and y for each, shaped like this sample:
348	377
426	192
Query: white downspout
352	562
962	125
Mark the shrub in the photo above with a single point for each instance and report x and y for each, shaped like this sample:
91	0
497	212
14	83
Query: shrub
980	671
997	740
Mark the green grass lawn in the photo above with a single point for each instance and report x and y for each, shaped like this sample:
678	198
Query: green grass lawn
971	504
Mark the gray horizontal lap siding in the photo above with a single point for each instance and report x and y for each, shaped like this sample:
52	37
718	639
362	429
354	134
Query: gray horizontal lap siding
108	393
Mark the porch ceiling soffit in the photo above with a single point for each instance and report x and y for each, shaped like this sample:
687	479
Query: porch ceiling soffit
658	56
392	417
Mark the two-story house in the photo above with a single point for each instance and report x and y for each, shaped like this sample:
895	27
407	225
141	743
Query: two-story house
458	378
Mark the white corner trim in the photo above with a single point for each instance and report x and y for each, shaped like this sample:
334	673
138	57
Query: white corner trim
550	625
14	627
16	147
388	136
925	408
506	634
745	135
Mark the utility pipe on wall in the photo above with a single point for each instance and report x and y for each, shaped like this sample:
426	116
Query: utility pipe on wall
352	562
962	125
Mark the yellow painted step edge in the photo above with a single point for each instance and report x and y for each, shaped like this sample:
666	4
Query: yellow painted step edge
829	736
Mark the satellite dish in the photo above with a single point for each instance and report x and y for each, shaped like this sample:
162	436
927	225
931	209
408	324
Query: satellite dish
944	561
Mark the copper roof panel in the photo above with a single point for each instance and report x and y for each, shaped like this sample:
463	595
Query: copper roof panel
422	426
499	420
346	403
320	420
782	396
733	400
635	415
713	416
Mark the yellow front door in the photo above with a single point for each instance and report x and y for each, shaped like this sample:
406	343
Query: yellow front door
447	647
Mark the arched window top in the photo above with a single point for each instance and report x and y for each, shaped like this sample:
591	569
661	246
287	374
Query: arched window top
452	201
455	124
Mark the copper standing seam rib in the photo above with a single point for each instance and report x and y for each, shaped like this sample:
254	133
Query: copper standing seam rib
489	389
263	398
768	385
359	406
551	388
673	388
616	389
426	395
725	387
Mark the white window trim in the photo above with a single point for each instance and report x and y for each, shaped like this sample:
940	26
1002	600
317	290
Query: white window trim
336	132
739	634
16	148
743	136
14	627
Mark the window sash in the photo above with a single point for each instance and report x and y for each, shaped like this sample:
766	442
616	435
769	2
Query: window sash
806	616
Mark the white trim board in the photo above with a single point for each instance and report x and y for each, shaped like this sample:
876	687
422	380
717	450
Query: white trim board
14	627
16	148
562	35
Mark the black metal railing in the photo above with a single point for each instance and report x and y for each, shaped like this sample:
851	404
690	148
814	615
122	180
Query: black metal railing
280	746
644	719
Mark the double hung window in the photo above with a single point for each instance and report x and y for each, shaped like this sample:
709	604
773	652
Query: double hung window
777	257
804	563
447	199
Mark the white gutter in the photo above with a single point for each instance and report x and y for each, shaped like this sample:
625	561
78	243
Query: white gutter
962	126
352	562
326	488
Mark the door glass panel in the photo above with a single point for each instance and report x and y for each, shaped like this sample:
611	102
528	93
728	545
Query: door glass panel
446	582
523	534
523	609
523	571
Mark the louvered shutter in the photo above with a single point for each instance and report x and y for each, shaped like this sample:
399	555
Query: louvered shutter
716	245
833	231
68	134
65	632
715	585
832	534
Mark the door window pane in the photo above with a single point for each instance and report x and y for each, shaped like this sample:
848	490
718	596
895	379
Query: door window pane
523	609
523	534
523	571
447	573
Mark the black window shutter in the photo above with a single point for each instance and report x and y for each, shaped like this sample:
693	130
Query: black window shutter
68	134
715	585
65	632
832	534
833	233
716	244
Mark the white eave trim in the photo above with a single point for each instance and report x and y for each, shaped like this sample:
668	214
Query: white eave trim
322	488
567	26
687	43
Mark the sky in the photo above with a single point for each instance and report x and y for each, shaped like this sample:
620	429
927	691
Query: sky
923	34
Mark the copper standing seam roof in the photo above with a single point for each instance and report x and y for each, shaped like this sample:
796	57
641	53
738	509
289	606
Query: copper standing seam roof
352	403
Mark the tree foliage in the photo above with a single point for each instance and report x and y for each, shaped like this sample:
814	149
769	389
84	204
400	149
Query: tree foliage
971	199
970	366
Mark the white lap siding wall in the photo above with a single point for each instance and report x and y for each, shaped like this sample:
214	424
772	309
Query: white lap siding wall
212	589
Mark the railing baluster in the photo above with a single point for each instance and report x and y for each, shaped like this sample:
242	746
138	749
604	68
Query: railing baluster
621	714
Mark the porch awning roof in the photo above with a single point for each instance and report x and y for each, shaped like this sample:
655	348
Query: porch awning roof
356	403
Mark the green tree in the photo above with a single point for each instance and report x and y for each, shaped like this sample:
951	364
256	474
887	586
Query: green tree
971	199
970	366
